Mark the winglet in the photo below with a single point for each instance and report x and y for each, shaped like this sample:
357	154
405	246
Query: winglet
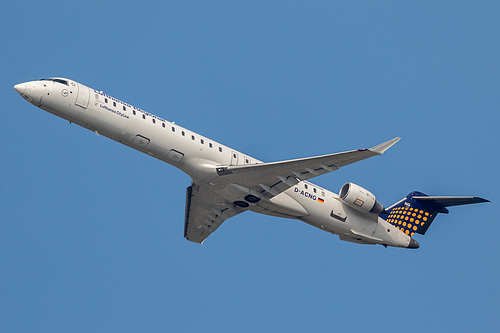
381	148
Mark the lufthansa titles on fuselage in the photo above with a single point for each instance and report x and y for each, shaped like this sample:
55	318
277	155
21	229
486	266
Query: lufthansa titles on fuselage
136	109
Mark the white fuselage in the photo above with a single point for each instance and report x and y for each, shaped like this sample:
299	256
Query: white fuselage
198	156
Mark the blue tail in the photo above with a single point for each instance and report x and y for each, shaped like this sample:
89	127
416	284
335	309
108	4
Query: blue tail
415	213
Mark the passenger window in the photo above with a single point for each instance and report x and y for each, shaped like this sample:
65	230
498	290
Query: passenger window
202	142
173	129
124	108
114	103
154	121
192	137
143	116
133	112
105	100
314	190
220	149
183	134
305	186
210	144
163	124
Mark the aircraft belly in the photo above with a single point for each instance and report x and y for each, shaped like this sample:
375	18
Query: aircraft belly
351	225
372	229
261	210
283	203
325	224
320	213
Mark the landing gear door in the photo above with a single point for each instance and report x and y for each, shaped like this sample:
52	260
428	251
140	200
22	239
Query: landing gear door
83	96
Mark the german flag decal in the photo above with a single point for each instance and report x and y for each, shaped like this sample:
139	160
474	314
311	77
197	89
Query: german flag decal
321	200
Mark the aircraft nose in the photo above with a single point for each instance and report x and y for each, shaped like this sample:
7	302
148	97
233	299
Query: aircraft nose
20	88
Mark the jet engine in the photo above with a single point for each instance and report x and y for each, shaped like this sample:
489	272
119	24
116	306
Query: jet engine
363	200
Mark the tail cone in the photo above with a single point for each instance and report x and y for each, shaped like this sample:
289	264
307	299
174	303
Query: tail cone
413	244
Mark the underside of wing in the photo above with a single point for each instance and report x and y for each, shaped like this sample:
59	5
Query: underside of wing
205	212
273	178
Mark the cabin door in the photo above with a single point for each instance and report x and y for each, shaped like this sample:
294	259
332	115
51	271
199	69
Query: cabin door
83	96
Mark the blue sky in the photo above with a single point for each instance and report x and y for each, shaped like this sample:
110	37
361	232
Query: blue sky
91	234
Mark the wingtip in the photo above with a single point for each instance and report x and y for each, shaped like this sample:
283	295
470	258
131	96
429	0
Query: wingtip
480	200
381	148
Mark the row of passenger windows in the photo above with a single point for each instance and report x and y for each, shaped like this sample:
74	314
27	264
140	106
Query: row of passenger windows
162	124
314	189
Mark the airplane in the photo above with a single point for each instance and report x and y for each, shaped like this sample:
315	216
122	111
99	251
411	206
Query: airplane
227	182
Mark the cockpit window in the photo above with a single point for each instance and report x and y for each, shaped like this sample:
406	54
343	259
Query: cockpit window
56	80
60	81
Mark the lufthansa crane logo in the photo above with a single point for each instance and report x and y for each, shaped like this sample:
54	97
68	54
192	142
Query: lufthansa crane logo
64	92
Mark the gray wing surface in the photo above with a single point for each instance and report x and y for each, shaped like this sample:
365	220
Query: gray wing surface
273	178
205	212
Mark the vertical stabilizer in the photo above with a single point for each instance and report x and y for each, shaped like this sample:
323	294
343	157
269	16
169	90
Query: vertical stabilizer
415	213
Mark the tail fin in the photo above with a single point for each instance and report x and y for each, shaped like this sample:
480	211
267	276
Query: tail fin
415	213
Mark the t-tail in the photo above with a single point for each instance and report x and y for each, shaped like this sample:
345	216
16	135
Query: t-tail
415	213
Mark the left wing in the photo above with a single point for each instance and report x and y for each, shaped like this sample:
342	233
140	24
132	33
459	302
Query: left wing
205	212
273	178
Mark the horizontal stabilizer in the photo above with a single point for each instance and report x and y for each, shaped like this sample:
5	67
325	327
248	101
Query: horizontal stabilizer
450	201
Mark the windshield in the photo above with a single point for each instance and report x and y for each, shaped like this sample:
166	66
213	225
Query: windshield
56	80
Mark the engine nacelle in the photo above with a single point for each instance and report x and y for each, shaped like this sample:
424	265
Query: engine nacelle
357	197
